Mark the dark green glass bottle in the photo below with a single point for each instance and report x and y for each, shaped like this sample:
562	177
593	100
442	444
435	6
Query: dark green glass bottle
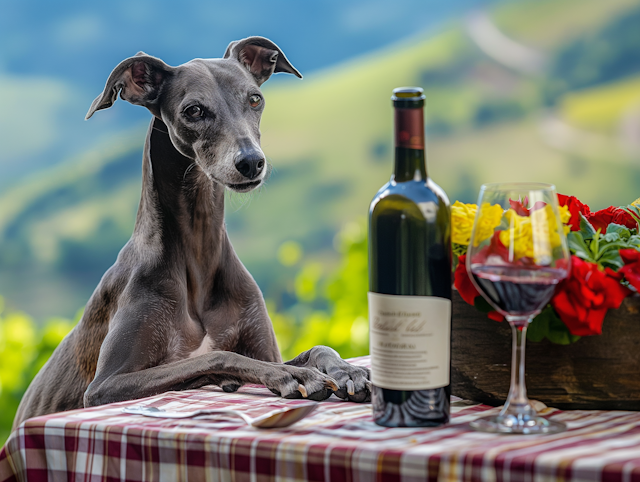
410	282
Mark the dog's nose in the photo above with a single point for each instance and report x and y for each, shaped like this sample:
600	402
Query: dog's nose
250	164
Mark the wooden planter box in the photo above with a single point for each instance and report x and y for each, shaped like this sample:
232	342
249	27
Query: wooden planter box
596	372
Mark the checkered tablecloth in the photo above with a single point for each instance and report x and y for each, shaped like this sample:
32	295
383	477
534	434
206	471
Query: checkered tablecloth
338	442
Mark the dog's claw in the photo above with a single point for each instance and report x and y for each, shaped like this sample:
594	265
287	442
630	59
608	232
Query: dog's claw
351	389
332	384
303	390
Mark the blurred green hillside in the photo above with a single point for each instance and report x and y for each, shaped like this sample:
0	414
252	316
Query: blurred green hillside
537	90
24	349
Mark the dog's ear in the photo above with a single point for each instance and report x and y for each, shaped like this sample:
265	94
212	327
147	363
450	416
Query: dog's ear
261	57
139	80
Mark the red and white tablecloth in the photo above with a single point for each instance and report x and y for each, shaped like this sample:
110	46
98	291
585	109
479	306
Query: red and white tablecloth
338	442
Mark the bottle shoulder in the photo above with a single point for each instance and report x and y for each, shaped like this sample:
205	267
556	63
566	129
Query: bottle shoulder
438	191
410	192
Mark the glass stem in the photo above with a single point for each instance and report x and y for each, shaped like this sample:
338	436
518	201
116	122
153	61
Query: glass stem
517	402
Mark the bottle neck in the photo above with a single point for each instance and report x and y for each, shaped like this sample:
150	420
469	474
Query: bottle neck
410	162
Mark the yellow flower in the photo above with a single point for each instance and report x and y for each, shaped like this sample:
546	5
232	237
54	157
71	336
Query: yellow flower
565	217
489	219
519	236
636	202
547	237
533	236
462	216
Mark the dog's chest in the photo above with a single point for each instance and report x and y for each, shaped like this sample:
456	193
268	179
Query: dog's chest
202	340
205	347
194	337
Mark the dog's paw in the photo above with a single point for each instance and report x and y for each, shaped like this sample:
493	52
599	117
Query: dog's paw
299	382
353	381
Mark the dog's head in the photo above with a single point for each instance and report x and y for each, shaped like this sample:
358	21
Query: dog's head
212	107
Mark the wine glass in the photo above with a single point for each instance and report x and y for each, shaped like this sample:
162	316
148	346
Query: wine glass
516	256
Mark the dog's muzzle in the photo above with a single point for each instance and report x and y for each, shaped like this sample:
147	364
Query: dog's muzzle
244	186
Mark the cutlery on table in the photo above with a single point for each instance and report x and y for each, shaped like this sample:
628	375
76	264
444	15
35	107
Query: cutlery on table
278	418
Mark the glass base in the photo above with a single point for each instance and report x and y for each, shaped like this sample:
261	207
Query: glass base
518	425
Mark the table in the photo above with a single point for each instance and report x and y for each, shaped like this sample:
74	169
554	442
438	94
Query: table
338	442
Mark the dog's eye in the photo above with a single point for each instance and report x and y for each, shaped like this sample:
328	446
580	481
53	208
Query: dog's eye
195	112
255	100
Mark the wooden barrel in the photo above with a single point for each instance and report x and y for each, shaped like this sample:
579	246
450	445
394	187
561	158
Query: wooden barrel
596	372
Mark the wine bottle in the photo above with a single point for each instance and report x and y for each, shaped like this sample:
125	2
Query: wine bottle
410	282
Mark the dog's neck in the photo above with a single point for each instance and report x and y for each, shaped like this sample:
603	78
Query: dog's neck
181	212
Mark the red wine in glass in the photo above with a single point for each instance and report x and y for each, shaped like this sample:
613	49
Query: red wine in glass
519	291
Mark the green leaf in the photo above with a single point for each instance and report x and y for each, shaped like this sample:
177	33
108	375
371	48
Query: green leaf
611	237
622	231
578	246
634	241
611	259
634	211
539	328
504	225
586	229
607	247
482	305
459	249
558	331
558	252
548	324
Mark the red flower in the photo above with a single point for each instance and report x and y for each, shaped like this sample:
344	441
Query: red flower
521	210
466	288
582	300
494	315
463	283
493	250
631	269
575	208
604	217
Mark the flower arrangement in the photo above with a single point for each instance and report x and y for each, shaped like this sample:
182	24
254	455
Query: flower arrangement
605	259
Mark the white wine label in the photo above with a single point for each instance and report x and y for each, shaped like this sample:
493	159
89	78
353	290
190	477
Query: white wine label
409	341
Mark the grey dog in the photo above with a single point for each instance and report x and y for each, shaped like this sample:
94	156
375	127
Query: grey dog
178	310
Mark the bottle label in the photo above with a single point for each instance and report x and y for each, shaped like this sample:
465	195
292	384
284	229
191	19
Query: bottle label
410	341
409	128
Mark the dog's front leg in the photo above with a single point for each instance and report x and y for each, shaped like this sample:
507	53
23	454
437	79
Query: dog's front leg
129	366
286	381
353	381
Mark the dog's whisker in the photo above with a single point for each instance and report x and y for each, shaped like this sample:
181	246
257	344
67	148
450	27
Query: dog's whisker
267	174
187	170
240	200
